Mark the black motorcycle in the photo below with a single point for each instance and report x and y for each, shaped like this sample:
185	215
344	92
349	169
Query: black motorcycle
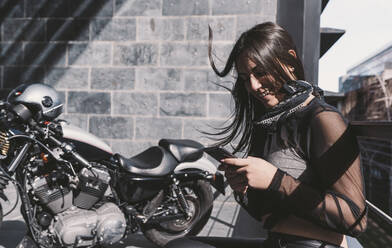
75	192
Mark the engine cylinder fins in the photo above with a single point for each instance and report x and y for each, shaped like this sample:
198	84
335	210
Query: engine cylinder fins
55	198
92	186
4	144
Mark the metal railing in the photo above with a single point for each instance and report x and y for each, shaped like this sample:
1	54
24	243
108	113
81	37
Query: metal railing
379	228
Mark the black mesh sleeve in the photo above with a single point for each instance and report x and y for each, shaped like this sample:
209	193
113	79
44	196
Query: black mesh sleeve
339	201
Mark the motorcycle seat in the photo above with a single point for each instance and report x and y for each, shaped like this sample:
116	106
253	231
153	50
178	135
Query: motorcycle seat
182	149
155	161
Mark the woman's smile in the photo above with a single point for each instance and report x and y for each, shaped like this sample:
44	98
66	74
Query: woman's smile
263	94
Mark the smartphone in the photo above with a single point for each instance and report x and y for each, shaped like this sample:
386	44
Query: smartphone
218	153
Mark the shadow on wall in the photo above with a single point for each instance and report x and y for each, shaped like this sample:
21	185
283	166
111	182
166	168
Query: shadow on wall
38	33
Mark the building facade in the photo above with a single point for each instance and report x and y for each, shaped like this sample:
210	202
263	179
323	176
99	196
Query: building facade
368	97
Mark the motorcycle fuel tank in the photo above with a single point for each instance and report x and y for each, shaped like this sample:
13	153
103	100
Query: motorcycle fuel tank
88	145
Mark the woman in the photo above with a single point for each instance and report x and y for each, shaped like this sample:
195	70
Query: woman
302	176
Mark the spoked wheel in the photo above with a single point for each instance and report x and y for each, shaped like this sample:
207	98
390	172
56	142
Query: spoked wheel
200	198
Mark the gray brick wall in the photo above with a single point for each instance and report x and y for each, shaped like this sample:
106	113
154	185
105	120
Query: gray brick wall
130	71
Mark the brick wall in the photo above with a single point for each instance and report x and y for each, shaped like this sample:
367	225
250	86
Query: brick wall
130	71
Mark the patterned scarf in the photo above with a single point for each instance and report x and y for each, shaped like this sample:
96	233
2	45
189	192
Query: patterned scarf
296	94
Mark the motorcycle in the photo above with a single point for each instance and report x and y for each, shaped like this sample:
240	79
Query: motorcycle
75	192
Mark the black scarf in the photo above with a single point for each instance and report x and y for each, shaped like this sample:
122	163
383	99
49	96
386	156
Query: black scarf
296	94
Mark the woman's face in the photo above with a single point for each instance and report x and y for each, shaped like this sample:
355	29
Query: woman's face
257	83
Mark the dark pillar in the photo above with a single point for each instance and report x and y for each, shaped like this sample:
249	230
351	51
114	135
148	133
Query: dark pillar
301	18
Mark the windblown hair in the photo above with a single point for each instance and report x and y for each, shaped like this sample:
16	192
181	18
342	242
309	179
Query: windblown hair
267	46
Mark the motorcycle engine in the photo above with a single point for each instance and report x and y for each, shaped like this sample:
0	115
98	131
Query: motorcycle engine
76	223
79	227
92	186
55	197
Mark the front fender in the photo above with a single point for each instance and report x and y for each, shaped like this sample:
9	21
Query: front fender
203	164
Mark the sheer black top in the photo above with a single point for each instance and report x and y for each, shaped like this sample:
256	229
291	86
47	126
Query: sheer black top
319	176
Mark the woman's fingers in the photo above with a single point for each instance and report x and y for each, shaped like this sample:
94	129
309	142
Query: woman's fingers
222	167
241	170
236	179
240	188
238	183
236	161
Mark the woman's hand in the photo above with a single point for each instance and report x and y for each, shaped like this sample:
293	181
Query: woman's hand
236	181
252	171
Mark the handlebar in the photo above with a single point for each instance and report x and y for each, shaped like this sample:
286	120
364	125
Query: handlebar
65	147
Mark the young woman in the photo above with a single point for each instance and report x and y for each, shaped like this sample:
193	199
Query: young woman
302	175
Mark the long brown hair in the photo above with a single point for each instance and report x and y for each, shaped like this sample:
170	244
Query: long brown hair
267	45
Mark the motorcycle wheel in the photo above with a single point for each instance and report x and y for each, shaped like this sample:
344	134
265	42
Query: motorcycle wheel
200	203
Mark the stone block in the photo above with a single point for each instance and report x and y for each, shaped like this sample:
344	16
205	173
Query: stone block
135	103
67	78
89	54
67	30
203	80
160	29
136	54
235	7
185	7
23	30
113	78
11	53
52	54
179	54
153	79
194	128
158	128
179	104
196	80
107	29
131	148
78	120
91	8
138	8
111	127
246	22
222	27
16	75
62	98
12	9
44	8
220	105
221	52
228	81
269	7
88	102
